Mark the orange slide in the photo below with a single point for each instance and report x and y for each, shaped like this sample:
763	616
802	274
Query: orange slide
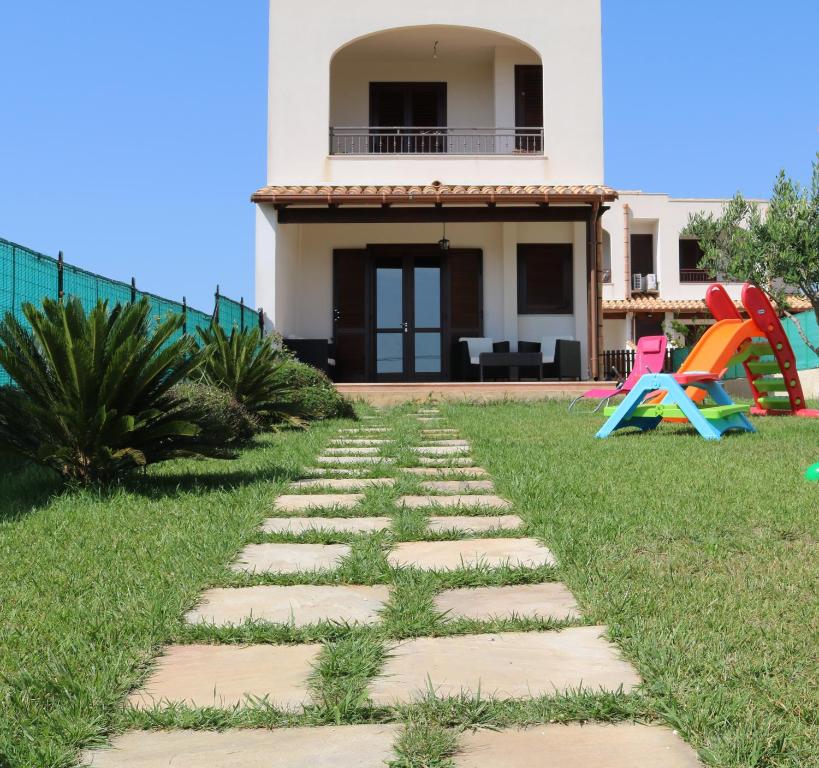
716	350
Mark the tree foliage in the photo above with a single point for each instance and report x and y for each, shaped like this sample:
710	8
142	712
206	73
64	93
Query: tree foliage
776	249
92	397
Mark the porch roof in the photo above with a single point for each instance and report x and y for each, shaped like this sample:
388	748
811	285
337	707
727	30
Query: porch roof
433	194
690	306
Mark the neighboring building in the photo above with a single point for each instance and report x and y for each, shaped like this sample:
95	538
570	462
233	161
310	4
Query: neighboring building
650	268
395	126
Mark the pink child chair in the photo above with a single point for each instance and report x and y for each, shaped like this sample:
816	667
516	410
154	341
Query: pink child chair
649	358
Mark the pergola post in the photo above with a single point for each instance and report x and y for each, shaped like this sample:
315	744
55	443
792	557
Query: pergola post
592	302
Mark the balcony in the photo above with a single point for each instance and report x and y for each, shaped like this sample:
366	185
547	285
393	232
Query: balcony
400	140
695	276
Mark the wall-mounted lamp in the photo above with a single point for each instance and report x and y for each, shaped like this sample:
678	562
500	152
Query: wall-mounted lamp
435	50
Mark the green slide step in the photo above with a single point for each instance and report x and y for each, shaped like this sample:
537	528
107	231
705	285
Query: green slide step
675	412
761	368
758	349
771	385
775	403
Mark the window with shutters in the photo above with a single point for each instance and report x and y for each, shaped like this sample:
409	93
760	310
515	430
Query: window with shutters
545	279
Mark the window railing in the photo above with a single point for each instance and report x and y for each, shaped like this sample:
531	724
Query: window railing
695	276
402	140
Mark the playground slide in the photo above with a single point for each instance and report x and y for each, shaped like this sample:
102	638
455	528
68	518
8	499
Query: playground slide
733	340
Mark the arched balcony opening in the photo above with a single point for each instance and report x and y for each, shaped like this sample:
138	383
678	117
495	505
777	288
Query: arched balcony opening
436	90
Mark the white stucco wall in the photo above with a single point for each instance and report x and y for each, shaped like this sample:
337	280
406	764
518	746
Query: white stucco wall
566	36
304	264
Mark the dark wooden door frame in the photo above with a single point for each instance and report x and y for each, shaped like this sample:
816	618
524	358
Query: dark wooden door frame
372	252
440	87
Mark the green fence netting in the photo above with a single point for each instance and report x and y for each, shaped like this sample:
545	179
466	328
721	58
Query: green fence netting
805	357
28	276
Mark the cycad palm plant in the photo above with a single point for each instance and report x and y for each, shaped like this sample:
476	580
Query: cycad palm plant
247	365
92	390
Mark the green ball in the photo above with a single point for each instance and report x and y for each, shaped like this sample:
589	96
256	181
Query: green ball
812	473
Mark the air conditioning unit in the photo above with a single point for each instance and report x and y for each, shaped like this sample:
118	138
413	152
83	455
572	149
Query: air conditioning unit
651	282
638	285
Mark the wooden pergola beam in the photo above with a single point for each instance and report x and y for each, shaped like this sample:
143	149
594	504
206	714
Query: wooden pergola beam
432	214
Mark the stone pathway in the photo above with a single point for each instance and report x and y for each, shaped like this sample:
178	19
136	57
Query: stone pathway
366	487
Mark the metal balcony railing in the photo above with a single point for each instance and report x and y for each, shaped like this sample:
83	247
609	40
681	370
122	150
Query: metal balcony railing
402	140
696	276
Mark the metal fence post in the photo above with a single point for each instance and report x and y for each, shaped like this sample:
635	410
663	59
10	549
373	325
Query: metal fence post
261	321
133	290
216	305
184	316
13	277
60	265
242	313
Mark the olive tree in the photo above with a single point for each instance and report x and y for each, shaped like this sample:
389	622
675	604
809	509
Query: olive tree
775	249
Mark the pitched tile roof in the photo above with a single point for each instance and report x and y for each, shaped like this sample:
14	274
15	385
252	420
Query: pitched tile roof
654	304
433	193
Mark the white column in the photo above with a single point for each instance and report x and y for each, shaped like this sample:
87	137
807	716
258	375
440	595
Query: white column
266	230
510	283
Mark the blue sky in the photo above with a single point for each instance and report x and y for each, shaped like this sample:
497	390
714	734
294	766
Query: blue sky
133	133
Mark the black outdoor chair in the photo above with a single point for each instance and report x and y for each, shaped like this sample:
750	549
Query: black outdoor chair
566	365
469	371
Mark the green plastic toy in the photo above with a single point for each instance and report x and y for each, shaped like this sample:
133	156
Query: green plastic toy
812	474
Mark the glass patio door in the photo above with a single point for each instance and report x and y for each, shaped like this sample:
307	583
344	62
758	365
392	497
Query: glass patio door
408	318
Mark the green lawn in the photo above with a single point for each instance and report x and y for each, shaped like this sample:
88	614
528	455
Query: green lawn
701	558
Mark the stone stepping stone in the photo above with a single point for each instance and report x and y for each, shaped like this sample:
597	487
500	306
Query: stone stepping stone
457	486
296	605
354	460
429	419
289	558
472	524
299	502
524	601
486	501
363	430
513	665
297	525
342	484
447	444
441	450
345	746
360	441
351	451
625	745
323	472
431	434
469	553
454	461
447	472
225	675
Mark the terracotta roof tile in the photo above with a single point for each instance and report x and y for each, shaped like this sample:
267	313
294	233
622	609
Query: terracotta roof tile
654	304
432	193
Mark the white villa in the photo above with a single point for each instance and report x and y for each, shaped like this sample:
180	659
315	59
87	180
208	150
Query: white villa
436	172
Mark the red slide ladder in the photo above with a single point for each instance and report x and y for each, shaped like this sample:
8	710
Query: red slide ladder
758	371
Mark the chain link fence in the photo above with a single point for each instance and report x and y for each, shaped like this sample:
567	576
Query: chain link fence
28	276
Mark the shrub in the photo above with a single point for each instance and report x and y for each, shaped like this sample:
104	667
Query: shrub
315	396
225	421
93	398
247	365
